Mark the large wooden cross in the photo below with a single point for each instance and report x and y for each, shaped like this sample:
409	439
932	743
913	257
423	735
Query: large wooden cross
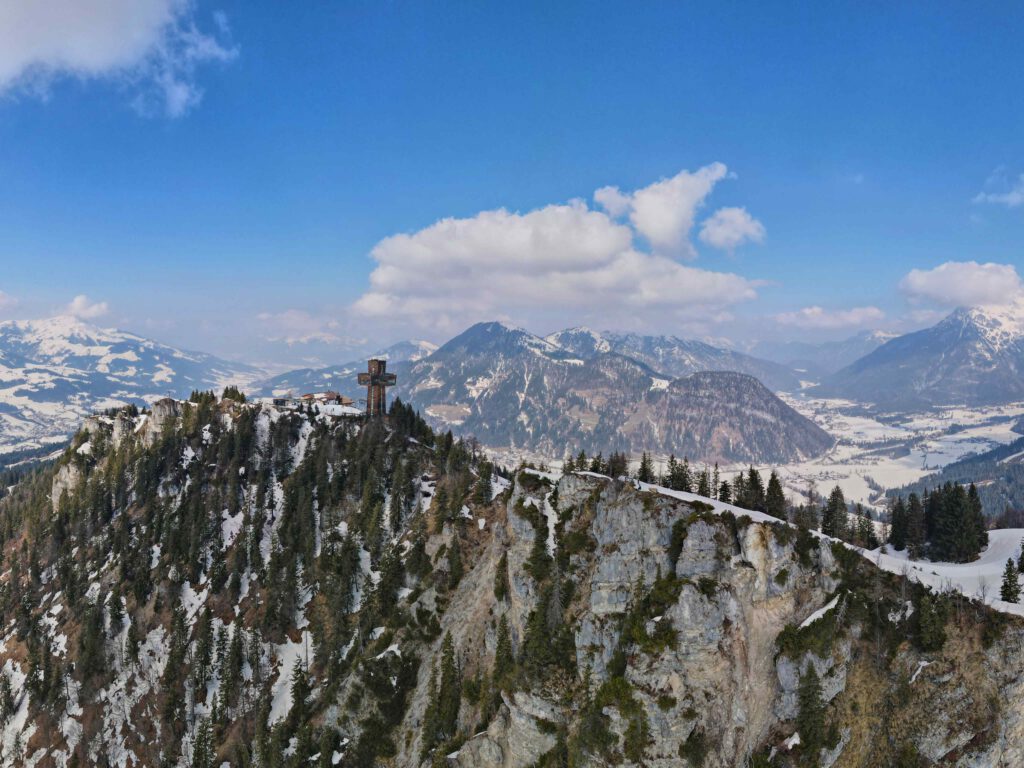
376	380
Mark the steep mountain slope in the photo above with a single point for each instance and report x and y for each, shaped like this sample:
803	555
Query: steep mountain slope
972	357
818	360
510	388
338	378
57	370
997	473
220	583
674	357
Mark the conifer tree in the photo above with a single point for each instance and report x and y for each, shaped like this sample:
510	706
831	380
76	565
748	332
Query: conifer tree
834	516
450	690
810	719
645	474
482	489
504	660
725	492
931	623
1010	591
775	498
704	483
898	524
501	583
454	561
916	527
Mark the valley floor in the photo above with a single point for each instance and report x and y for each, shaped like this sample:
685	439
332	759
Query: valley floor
876	452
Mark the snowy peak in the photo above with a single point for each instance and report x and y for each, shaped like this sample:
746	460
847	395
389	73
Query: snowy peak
495	337
55	371
580	341
974	356
1000	326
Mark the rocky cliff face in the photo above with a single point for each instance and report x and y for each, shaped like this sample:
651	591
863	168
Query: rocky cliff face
216	582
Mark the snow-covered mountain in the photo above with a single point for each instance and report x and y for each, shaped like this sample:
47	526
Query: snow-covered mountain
673	356
824	358
972	357
57	370
512	389
339	378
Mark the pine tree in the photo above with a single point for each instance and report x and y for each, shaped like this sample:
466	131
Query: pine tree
1010	591
775	498
931	623
916	526
645	474
501	584
482	489
755	491
898	524
810	719
1020	558
704	483
834	516
725	492
504	659
450	690
454	562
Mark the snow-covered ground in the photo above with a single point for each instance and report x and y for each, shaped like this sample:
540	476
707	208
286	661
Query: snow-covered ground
876	452
980	579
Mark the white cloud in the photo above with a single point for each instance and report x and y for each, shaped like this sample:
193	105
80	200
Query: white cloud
729	228
964	283
1011	193
558	262
7	301
84	309
152	46
819	318
664	212
297	326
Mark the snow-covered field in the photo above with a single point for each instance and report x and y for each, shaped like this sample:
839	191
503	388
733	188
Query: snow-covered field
876	452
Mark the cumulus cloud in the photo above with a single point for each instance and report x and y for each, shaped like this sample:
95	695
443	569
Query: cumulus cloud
84	309
664	212
964	283
297	326
557	261
153	47
728	228
819	318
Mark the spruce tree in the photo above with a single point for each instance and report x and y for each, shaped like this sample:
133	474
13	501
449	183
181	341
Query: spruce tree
504	659
1010	591
833	517
645	474
916	526
449	691
775	498
810	719
454	562
501	584
898	524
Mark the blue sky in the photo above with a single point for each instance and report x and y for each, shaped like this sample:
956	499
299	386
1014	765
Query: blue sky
230	178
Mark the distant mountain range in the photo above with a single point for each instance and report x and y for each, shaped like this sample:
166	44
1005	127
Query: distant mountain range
339	378
672	356
972	357
56	371
578	389
573	389
815	361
